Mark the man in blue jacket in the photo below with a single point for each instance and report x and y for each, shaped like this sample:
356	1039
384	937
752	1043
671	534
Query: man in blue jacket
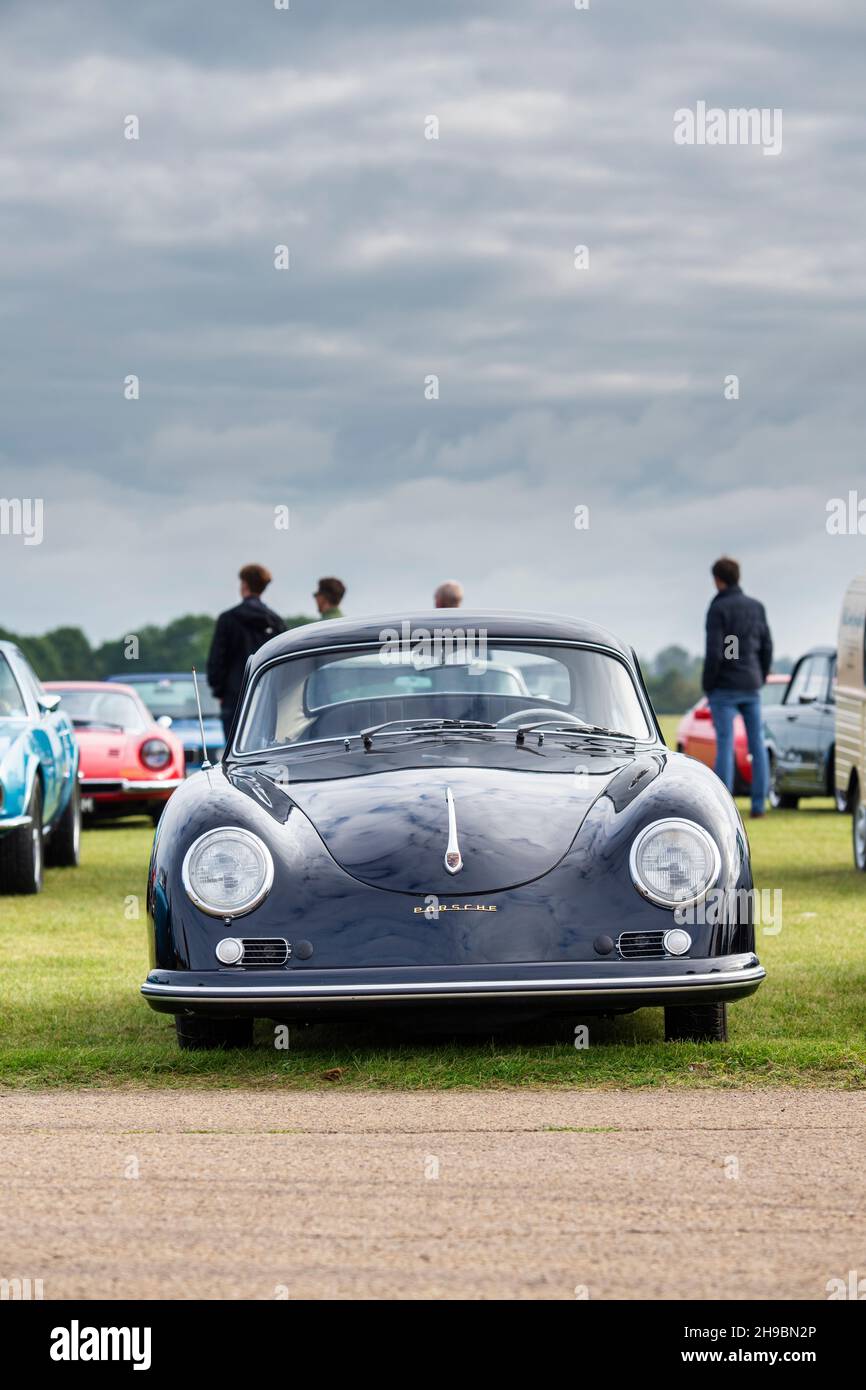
738	658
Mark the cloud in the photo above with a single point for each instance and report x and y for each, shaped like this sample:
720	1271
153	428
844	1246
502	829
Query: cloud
412	257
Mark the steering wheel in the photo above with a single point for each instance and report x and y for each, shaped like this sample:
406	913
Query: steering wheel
536	715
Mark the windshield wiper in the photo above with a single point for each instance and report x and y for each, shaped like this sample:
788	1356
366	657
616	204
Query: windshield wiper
550	726
419	726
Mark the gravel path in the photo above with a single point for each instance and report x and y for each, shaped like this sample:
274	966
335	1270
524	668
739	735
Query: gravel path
491	1194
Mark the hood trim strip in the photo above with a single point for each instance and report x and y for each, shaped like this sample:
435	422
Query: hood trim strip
453	857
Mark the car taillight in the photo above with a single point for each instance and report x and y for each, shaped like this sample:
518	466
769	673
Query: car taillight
155	754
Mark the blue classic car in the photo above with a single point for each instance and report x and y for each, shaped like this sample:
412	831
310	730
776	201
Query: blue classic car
427	821
40	802
170	697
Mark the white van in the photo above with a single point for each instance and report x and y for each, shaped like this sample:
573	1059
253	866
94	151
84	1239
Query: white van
850	765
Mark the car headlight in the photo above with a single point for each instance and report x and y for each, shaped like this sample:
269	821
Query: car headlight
674	862
155	754
228	871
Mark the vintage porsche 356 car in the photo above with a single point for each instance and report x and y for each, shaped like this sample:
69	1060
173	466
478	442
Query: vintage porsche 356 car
409	816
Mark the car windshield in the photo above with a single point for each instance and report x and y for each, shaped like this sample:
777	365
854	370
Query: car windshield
175	696
105	708
11	702
303	699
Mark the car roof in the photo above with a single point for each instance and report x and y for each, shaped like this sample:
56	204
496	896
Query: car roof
496	624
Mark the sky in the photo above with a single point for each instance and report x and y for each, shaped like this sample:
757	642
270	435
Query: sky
600	386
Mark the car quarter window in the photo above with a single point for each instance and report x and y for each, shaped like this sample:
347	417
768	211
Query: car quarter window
12	704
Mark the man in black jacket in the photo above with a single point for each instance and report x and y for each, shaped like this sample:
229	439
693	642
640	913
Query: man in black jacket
238	633
738	658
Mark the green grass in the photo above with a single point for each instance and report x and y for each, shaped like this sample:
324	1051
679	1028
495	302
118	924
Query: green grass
73	959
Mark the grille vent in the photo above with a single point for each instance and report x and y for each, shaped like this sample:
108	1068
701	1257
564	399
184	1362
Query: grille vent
641	945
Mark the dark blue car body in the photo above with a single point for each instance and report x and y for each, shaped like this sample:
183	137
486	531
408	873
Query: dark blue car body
363	914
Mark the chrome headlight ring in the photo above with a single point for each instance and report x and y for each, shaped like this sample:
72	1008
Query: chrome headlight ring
657	827
253	899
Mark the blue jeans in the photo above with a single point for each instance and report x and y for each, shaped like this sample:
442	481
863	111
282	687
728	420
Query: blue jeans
724	705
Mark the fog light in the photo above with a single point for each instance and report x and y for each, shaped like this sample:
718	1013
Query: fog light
230	951
676	942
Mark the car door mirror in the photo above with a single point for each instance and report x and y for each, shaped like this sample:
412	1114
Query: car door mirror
807	699
48	701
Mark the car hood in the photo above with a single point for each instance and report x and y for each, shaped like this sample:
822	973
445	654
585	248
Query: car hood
105	753
390	830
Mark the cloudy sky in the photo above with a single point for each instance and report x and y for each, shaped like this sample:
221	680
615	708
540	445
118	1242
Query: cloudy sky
411	257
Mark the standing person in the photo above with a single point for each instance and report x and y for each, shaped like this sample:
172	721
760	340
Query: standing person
738	658
449	594
329	596
239	632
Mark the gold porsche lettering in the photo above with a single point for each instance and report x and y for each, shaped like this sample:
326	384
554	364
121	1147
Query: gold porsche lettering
461	907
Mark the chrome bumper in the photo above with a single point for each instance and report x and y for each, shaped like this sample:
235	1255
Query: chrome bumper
125	786
168	991
15	823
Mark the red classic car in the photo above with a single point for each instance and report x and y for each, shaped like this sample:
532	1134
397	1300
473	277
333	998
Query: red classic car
129	763
696	734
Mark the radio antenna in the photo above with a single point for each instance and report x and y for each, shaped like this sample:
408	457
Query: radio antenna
205	761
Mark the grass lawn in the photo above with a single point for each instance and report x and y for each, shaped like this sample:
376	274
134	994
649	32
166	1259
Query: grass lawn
73	959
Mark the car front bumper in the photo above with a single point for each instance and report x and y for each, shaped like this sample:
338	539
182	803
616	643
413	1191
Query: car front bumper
129	788
15	823
596	987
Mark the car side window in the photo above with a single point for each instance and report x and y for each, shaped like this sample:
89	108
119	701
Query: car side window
811	681
818	685
799	681
12	704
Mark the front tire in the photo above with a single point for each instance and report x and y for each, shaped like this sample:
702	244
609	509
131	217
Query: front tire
203	1034
22	852
696	1023
779	800
64	847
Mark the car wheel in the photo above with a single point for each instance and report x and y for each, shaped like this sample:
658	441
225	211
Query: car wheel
64	846
696	1023
206	1033
858	825
779	800
21	852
